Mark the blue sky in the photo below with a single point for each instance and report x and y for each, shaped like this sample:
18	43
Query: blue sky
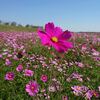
74	15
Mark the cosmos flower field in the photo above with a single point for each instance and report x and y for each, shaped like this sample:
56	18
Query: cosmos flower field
49	64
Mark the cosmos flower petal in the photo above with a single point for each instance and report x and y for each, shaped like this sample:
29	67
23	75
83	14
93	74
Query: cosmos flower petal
44	38
57	31
65	35
36	91
59	48
31	94
67	44
27	90
62	46
49	28
27	86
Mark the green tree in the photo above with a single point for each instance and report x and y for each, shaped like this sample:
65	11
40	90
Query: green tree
6	23
0	22
20	25
27	25
13	24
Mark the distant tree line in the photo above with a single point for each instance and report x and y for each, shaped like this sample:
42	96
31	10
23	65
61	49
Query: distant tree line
20	25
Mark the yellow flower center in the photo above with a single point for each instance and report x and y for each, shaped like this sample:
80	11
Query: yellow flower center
95	94
78	88
54	39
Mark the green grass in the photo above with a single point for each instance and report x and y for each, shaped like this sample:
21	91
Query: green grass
9	28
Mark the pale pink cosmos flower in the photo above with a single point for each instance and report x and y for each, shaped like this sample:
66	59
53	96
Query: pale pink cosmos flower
51	88
9	76
95	53
8	62
1	56
84	47
55	37
32	88
5	53
28	72
89	94
9	55
15	57
19	68
44	78
80	64
79	90
75	76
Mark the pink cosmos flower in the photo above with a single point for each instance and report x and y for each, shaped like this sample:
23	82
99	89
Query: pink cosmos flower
32	88
52	88
80	64
44	78
5	53
75	76
55	37
84	47
95	53
89	94
9	55
8	62
79	90
1	56
76	90
19	68
28	72
15	57
9	76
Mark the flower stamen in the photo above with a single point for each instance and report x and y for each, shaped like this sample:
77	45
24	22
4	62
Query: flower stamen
54	39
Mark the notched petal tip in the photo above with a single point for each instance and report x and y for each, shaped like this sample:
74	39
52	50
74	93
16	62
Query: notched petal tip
49	28
49	24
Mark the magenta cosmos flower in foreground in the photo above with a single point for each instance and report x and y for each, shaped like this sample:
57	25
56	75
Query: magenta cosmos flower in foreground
32	88
9	76
55	37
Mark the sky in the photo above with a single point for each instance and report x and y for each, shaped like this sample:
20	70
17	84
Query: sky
73	15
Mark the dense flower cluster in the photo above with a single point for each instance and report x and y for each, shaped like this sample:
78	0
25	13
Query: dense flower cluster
29	70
